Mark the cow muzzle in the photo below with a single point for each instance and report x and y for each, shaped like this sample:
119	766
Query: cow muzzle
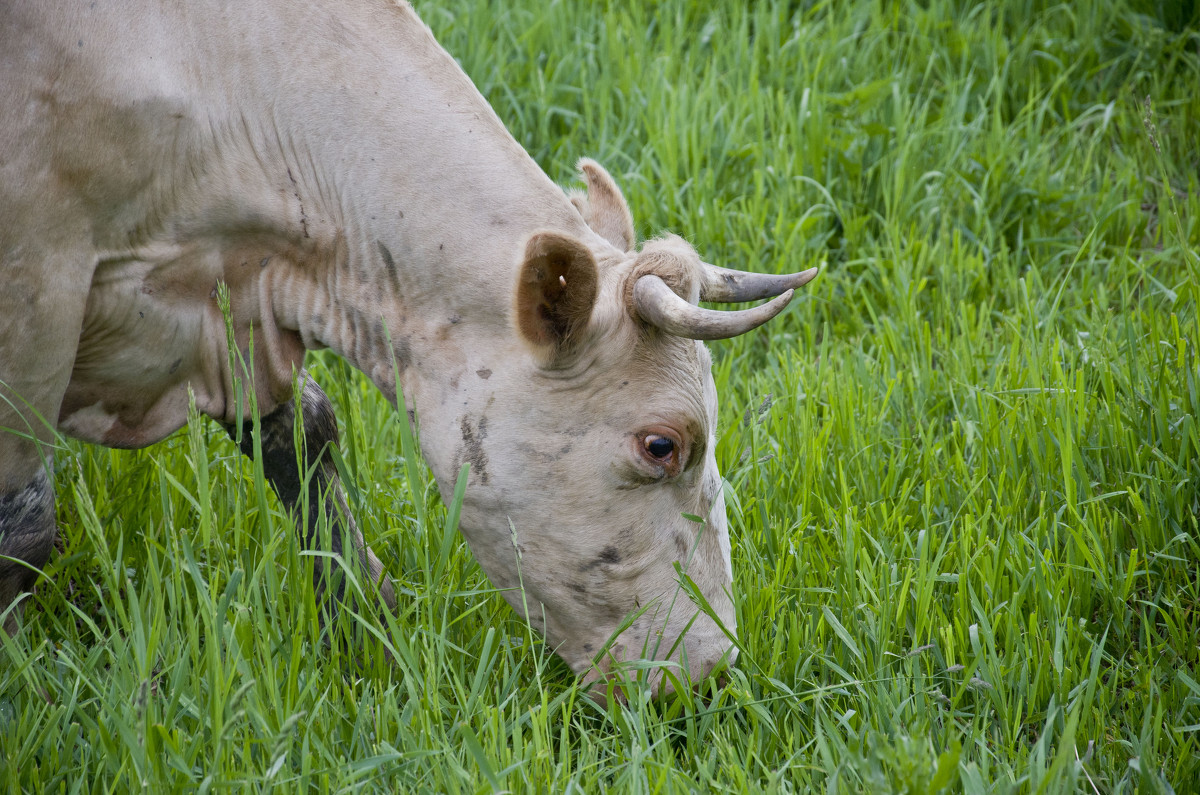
620	675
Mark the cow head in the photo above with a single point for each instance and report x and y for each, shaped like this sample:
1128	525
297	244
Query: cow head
594	482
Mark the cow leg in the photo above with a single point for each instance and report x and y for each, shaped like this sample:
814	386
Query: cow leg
26	538
43	293
326	498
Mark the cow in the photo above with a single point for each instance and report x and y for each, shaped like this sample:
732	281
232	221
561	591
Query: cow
310	174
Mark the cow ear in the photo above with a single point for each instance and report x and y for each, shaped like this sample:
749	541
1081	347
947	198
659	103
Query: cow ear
607	213
556	290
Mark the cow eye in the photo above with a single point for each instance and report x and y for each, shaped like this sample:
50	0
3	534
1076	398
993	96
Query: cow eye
659	446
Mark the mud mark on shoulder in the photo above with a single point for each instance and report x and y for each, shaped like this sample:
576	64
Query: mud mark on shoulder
473	452
609	556
401	351
300	202
389	263
537	454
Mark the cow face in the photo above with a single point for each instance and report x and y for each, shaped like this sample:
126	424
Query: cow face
579	503
595	501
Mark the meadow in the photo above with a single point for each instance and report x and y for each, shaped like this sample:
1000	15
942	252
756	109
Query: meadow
966	463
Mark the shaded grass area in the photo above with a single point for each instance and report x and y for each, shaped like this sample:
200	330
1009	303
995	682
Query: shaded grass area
963	472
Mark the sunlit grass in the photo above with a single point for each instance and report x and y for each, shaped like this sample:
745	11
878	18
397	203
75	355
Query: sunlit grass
963	472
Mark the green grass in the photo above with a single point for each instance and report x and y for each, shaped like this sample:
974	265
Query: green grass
966	466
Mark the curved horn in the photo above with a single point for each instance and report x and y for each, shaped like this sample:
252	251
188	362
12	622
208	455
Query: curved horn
729	286
656	304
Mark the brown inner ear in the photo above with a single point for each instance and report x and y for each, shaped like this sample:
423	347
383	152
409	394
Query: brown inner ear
556	290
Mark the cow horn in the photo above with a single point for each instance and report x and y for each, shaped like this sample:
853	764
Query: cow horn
658	305
729	286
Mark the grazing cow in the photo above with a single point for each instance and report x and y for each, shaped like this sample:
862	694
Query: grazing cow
338	171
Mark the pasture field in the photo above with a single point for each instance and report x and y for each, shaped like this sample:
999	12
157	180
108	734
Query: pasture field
965	466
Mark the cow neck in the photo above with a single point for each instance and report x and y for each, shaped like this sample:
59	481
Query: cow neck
414	199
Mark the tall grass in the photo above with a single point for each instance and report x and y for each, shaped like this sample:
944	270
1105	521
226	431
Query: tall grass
963	474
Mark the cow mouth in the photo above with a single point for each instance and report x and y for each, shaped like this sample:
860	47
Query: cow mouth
611	680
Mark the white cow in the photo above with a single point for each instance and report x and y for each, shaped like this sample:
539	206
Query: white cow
333	166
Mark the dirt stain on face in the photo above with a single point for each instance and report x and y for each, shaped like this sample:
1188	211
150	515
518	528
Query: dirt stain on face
473	452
